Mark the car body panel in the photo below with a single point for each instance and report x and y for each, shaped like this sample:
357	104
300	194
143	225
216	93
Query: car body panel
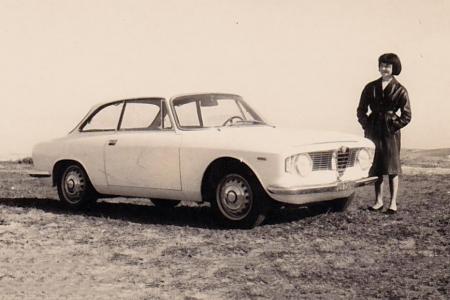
171	163
142	156
266	159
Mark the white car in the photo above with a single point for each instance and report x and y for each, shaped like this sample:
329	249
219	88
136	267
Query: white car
202	147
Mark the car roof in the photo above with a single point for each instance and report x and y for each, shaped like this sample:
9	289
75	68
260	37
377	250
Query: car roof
156	98
204	94
126	99
104	103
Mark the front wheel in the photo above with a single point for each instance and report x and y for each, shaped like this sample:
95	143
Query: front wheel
74	187
240	201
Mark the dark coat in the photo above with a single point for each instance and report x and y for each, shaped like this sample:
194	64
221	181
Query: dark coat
382	125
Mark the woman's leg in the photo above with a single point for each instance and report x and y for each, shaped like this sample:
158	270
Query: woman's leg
378	193
393	187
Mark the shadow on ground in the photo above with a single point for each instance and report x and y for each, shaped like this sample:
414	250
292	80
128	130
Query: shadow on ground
196	216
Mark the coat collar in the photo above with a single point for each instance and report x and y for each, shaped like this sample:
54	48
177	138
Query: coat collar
390	88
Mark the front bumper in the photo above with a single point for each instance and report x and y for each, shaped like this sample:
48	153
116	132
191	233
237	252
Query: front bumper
316	193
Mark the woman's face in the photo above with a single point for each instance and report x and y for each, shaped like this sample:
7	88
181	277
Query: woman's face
385	70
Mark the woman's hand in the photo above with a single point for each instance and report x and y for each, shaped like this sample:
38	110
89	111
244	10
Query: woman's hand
392	121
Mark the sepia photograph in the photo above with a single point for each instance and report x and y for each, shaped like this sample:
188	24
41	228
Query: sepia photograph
210	149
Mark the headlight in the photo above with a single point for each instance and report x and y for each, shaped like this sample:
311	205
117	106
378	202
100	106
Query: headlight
364	158
300	164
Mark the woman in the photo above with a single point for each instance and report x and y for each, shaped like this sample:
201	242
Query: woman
386	98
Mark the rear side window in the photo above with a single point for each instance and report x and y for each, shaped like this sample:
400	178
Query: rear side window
105	119
145	115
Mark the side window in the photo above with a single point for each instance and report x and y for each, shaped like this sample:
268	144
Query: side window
144	115
105	119
187	114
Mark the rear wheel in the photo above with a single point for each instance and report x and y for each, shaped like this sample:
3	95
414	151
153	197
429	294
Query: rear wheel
74	188
240	201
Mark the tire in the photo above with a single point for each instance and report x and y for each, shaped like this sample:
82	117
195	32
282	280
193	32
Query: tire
74	187
239	200
165	203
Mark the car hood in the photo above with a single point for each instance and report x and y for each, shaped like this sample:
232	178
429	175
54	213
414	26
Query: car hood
274	138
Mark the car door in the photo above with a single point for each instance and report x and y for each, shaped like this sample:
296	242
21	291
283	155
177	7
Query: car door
87	146
145	151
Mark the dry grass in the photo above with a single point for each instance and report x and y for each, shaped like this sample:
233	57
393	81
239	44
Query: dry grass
132	250
434	158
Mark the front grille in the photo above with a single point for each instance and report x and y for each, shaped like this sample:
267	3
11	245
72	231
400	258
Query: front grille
345	159
322	160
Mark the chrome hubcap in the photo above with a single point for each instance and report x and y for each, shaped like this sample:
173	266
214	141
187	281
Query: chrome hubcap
74	184
235	197
71	184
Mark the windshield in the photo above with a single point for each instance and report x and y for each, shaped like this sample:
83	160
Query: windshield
213	110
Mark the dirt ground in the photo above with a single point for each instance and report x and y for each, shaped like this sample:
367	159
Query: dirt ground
129	249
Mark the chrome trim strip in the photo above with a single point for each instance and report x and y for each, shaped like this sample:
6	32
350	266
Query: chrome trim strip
38	174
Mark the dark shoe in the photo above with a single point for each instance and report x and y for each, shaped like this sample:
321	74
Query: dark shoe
390	211
370	208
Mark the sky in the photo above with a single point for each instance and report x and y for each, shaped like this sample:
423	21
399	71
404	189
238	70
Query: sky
301	64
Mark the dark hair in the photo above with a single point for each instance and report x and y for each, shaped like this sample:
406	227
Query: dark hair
392	59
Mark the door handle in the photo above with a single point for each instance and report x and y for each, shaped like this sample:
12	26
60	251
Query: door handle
112	142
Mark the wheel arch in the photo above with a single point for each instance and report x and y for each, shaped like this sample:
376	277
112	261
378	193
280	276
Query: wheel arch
221	164
59	166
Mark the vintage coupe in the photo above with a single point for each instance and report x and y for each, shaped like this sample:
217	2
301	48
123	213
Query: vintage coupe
202	147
